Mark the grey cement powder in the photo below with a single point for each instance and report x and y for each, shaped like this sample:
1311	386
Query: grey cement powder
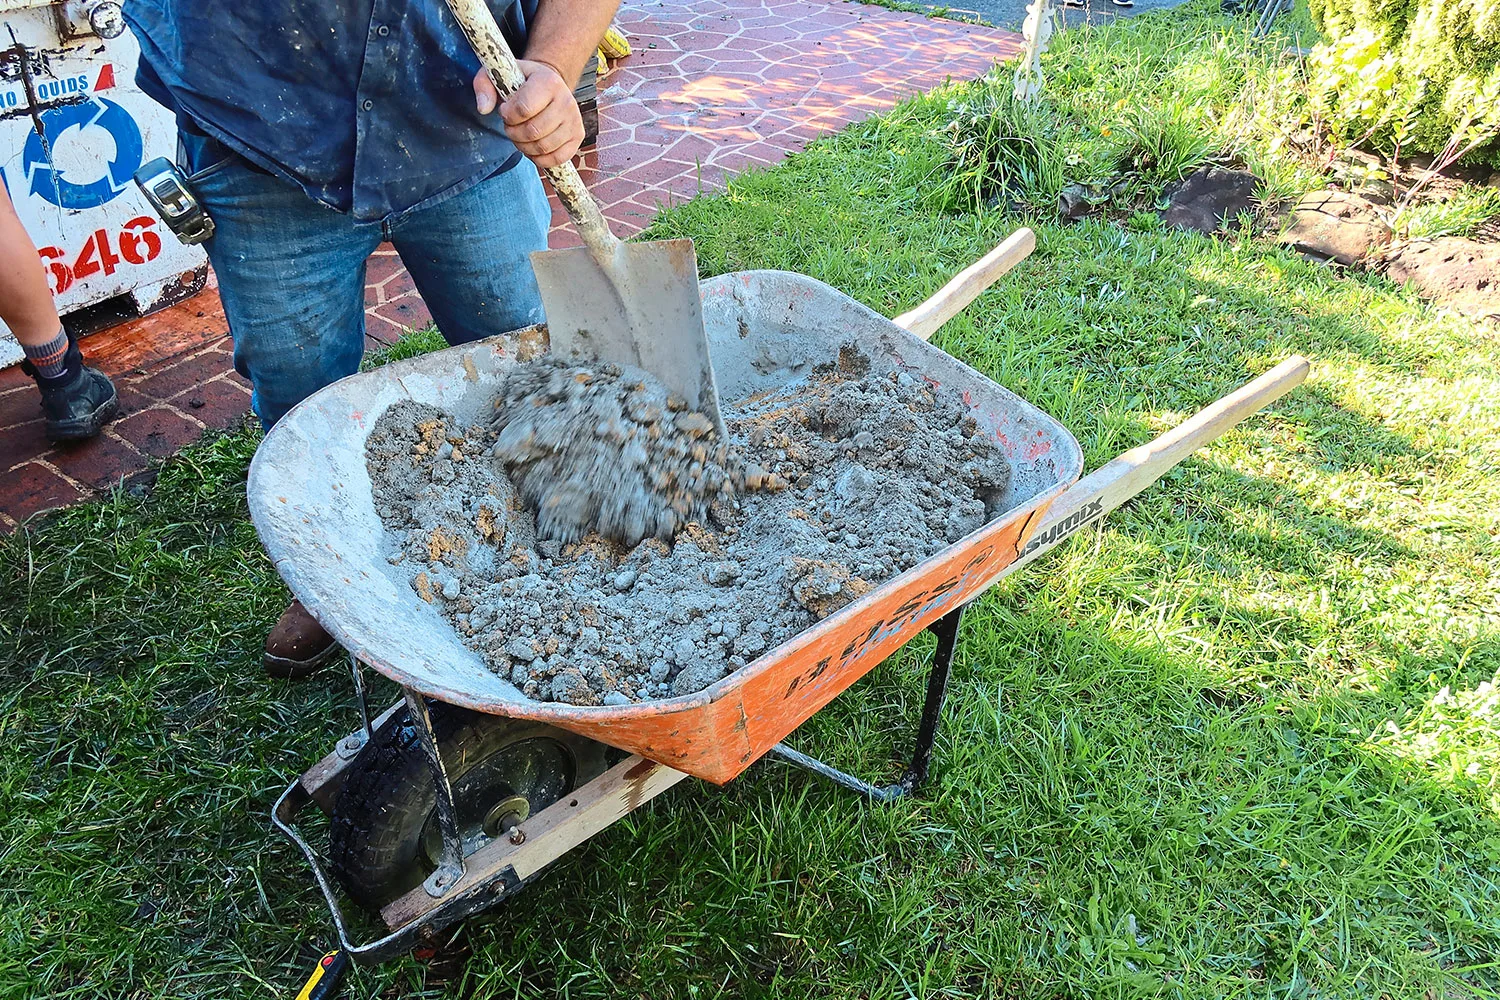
850	477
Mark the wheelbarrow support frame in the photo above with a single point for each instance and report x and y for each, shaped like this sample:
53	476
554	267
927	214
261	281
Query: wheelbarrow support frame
504	866
946	630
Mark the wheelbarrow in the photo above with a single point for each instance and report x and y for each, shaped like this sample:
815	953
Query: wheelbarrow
462	792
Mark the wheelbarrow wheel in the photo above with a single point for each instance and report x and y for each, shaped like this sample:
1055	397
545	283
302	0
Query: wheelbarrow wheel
383	834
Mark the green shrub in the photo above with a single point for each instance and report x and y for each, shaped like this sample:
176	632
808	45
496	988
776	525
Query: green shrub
1417	72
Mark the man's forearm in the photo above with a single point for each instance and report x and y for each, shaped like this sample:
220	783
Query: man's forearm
565	34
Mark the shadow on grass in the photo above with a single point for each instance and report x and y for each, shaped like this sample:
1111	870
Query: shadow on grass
1204	833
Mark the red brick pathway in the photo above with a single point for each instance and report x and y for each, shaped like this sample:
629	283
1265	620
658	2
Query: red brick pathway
713	87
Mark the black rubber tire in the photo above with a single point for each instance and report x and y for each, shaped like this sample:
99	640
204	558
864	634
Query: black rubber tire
375	833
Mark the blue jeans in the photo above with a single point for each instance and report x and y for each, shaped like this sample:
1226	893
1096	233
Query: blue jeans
291	271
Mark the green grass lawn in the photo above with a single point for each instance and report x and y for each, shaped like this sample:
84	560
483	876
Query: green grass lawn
1241	740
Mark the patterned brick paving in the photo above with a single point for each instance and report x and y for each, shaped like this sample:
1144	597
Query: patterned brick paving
714	87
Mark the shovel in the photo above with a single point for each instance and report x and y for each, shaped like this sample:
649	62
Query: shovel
628	303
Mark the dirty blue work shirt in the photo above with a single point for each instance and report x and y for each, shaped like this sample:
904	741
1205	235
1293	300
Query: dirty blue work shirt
368	105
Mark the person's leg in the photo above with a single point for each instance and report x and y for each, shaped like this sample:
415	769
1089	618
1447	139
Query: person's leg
469	256
76	400
291	274
25	300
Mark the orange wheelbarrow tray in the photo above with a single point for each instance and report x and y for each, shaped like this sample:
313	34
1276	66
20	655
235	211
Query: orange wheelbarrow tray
311	500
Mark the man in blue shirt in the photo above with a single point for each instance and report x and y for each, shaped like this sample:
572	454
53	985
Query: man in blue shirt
313	130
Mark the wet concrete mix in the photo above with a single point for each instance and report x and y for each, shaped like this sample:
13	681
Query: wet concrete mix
597	544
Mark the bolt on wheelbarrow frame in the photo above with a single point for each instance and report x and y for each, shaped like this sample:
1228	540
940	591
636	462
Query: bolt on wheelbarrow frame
461	886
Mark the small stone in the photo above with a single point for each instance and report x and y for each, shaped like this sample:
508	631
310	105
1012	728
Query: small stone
659	670
451	588
722	574
625	579
570	686
851	539
615	699
697	677
422	584
693	424
750	644
1077	200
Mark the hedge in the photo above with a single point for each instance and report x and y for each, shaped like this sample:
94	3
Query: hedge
1454	45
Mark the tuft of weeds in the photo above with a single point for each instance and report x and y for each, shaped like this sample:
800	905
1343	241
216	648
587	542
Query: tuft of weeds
1003	151
1129	107
1464	214
410	344
1161	142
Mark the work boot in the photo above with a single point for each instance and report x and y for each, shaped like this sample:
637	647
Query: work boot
77	403
298	645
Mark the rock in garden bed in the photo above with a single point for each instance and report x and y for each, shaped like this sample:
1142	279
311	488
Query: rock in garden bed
1209	198
1459	273
830	487
1337	226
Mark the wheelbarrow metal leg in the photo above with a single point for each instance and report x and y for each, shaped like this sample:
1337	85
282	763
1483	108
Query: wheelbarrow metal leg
946	630
451	864
350	746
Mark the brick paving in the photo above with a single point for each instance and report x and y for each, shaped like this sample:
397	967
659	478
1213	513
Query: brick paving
713	87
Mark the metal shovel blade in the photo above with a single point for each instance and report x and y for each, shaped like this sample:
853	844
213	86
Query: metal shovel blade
644	311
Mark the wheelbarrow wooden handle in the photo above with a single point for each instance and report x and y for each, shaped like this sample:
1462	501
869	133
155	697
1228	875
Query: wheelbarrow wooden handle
495	56
951	299
1121	478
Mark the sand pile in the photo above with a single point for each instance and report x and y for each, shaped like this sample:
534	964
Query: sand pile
826	489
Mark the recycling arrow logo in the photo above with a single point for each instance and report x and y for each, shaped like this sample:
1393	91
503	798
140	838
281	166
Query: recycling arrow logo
52	183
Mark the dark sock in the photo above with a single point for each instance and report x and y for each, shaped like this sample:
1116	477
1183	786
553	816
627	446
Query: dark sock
49	359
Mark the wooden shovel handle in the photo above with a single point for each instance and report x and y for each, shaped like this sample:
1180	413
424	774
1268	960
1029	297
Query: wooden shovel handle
495	56
951	299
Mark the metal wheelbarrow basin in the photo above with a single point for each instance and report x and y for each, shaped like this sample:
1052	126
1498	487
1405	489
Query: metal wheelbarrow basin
311	500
